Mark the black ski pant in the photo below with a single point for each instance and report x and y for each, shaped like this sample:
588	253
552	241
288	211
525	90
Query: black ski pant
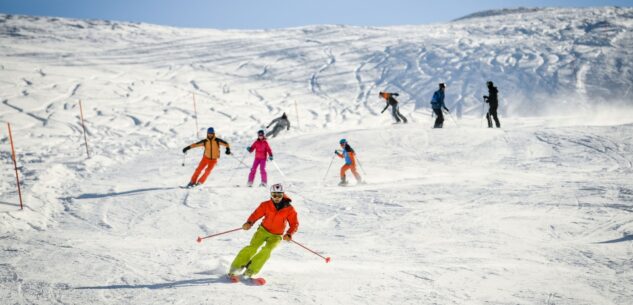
492	112
439	120
395	111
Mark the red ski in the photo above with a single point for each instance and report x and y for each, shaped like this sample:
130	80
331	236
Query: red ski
256	281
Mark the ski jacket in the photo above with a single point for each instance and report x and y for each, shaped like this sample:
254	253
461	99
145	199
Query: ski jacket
349	155
438	100
211	147
492	96
389	98
261	148
276	216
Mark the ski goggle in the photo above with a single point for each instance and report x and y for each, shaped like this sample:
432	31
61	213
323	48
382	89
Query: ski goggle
277	194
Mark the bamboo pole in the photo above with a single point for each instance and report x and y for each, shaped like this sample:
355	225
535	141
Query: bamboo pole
81	112
195	111
15	166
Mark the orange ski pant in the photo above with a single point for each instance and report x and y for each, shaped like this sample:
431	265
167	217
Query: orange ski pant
204	163
346	167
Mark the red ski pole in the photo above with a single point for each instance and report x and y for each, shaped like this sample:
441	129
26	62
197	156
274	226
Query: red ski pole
229	231
327	259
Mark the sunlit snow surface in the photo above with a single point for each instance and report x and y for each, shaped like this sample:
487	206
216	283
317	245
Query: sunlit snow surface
538	212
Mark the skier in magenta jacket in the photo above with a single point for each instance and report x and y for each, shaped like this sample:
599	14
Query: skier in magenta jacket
262	152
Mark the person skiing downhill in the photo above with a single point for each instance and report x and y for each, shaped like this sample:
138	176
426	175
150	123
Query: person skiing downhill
276	213
262	151
395	109
349	155
493	100
210	157
437	103
282	122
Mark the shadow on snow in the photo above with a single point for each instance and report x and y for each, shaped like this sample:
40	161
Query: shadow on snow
176	284
8	203
113	194
619	240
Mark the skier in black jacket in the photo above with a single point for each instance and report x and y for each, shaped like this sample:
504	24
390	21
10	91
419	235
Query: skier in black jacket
493	101
395	111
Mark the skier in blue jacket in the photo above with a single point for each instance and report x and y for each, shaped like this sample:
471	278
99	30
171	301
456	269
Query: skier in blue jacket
437	103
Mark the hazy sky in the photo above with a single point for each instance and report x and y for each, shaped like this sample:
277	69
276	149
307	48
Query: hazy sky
252	14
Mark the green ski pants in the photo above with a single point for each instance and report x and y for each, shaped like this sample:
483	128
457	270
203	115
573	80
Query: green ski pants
250	254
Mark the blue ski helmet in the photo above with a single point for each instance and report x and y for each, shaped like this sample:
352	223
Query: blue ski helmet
210	130
260	132
342	141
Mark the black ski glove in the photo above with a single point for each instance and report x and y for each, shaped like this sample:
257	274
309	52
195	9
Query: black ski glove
395	94
184	150
228	151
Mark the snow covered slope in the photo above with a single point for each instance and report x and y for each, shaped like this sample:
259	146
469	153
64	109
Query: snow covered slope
539	212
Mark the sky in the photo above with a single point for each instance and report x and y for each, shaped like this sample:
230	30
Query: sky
264	14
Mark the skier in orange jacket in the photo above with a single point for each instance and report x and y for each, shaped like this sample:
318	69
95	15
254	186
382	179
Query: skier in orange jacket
276	213
395	109
349	155
210	157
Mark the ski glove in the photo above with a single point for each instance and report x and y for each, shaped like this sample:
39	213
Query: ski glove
248	149
184	150
395	94
287	237
228	151
270	158
246	226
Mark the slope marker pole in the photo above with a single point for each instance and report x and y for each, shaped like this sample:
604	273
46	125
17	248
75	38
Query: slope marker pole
81	112
15	166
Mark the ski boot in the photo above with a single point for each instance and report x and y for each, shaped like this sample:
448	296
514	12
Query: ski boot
248	276
234	274
249	184
262	184
343	182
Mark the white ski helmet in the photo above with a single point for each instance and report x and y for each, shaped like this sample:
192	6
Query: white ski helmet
277	188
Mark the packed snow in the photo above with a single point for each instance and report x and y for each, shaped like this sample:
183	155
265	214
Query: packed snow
537	212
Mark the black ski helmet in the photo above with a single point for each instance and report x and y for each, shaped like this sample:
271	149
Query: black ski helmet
489	83
442	85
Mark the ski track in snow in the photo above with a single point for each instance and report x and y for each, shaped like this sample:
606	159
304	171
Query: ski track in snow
539	212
